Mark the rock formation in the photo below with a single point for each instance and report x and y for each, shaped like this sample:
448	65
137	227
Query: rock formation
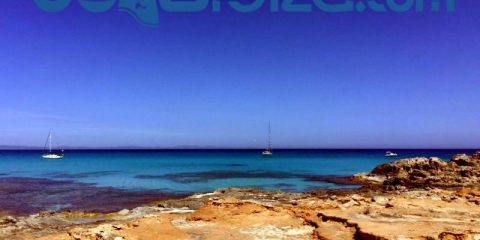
461	170
244	214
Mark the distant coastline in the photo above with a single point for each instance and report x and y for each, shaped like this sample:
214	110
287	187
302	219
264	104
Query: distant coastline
405	199
208	148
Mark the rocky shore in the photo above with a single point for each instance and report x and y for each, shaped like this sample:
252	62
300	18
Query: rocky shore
419	198
461	171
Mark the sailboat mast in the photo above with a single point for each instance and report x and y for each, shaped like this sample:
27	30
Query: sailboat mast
269	137
50	141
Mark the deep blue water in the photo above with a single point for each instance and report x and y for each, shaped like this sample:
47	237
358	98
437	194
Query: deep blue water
196	171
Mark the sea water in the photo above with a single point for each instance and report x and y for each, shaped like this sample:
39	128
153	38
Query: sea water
176	171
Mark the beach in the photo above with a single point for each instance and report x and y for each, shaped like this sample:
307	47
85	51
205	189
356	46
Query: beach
415	198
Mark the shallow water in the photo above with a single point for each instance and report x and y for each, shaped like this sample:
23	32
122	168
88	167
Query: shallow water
197	171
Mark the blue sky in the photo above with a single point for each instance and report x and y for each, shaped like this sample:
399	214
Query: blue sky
362	80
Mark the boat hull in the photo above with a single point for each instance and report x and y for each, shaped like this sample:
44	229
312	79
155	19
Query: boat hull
391	155
52	156
267	153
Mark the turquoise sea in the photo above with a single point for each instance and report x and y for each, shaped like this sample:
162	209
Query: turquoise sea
119	173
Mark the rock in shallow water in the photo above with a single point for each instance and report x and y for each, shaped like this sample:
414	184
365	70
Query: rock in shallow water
23	196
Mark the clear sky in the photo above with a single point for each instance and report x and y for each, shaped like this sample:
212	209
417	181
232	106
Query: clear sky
324	80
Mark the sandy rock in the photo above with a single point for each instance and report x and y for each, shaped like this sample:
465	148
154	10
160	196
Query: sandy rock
476	155
350	203
357	198
459	236
8	220
368	179
403	168
413	214
123	212
381	200
462	160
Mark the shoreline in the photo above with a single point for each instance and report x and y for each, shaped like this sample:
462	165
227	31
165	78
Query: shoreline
418	198
23	196
256	214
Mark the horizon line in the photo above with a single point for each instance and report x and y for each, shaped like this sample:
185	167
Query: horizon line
180	148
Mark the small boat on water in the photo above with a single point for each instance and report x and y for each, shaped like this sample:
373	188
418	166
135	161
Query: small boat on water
268	151
390	154
50	154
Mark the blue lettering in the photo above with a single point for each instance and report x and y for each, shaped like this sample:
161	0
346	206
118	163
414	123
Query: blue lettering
347	6
97	6
52	5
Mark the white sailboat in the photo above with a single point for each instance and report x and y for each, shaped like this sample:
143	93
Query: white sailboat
390	154
50	154
268	151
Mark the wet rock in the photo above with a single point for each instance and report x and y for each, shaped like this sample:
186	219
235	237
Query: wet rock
32	195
